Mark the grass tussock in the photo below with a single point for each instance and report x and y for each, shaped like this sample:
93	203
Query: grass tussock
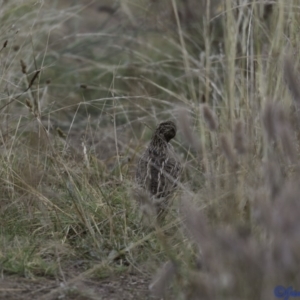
78	103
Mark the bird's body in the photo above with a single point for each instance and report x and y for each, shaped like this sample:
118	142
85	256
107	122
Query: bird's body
158	169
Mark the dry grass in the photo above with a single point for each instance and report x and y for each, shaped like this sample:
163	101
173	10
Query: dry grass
79	101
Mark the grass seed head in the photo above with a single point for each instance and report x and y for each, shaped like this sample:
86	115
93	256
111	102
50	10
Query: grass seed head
195	221
228	150
210	118
273	118
288	143
274	179
28	104
291	80
239	138
162	280
23	66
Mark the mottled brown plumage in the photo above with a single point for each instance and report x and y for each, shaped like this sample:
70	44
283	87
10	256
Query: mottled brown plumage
158	169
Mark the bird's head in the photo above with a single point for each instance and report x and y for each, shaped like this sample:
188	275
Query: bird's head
167	130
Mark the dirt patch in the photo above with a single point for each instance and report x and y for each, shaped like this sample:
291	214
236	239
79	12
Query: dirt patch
125	286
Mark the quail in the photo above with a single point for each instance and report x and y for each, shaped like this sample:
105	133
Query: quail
158	169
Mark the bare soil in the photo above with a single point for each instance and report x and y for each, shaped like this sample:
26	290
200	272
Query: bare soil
119	287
